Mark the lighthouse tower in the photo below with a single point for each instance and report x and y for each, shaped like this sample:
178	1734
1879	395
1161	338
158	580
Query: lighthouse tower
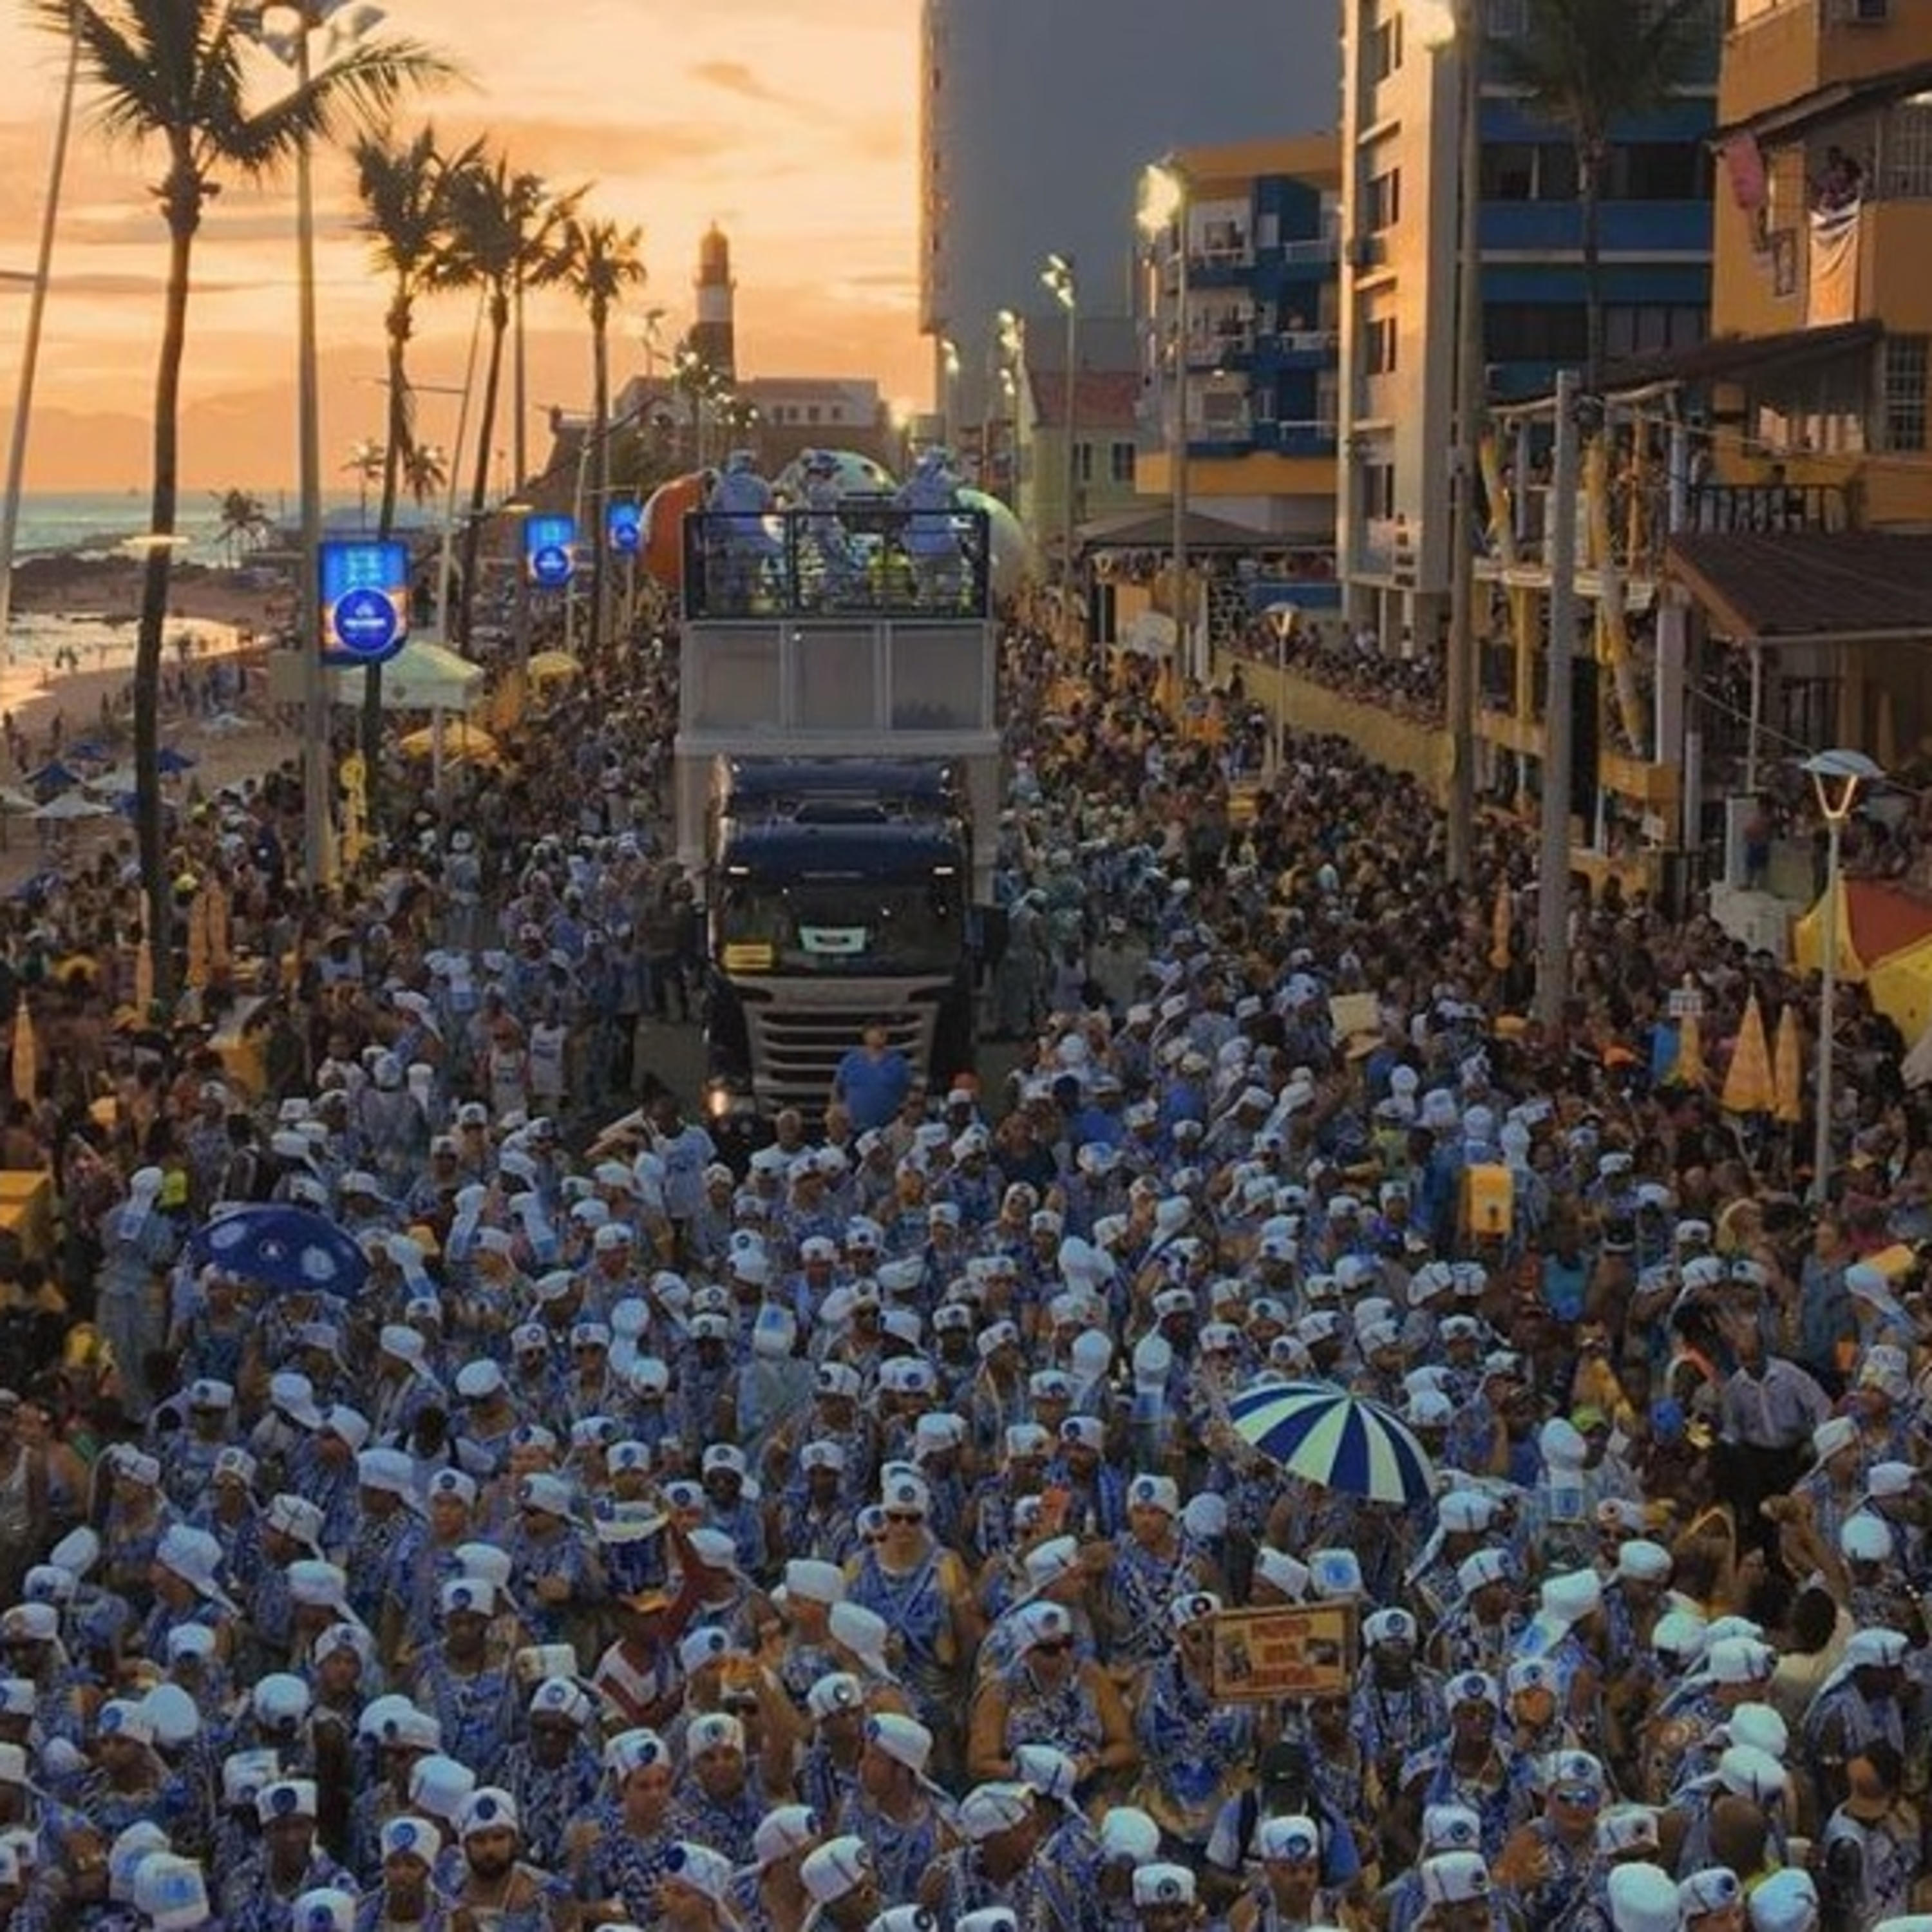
712	334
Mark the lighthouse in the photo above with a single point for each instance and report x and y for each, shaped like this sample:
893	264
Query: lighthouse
712	334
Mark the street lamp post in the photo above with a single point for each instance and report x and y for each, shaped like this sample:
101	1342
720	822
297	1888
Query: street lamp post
1164	202
1838	777
1058	278
1442	24
318	778
948	365
1009	346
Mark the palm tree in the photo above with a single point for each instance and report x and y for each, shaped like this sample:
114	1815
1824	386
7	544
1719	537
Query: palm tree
425	471
503	225
601	262
1590	65
405	192
169	72
244	519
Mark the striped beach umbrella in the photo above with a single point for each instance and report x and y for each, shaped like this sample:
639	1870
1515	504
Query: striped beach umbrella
1323	1434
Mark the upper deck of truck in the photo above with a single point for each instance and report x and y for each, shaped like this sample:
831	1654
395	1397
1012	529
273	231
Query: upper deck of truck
866	558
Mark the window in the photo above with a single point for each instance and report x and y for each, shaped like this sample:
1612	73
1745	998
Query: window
1507	19
1509	171
1120	463
1908	152
1377	490
1384	200
1658	171
1083	462
1385	50
1645	329
1906	360
1379	345
1534	332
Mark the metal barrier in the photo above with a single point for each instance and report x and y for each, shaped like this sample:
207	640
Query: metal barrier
860	559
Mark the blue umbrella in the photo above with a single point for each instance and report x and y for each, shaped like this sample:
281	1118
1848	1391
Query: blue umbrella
172	762
1325	1434
55	775
90	749
291	1249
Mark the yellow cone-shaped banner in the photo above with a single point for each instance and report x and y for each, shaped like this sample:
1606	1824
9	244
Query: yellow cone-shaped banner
1499	930
1689	1070
26	1069
1788	1066
1747	1084
144	979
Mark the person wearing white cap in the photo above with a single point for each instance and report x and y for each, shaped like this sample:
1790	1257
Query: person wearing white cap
1152	1567
721	1801
462	1678
892	1805
1546	1862
1290	1892
553	1773
288	1863
1000	1825
840	1880
496	1880
170	1894
1051	1694
1859	1704
408	1848
925	1595
1398	1705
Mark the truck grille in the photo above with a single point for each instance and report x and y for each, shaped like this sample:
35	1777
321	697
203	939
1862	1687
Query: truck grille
800	1031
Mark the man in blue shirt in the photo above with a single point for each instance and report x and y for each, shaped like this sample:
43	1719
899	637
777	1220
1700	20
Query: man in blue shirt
872	1080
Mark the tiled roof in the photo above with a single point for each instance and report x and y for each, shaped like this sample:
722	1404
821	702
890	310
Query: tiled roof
1809	583
1105	399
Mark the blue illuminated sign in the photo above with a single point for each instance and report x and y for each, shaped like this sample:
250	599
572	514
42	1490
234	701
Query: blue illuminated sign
550	551
624	528
365	601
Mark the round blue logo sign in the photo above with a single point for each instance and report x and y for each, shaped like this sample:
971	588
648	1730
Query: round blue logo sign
626	530
366	622
550	564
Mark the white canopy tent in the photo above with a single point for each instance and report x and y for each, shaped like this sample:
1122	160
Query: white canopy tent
421	676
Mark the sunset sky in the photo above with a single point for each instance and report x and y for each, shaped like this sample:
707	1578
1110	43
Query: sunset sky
794	128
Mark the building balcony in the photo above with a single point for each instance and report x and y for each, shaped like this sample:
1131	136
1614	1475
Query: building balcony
1762	509
1629	228
1781	50
1321	252
1308	348
1212	348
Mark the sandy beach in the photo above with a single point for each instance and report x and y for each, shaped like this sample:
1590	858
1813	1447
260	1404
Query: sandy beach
213	609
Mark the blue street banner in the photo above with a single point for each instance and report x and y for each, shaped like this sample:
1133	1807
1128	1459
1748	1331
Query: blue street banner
365	601
550	551
624	528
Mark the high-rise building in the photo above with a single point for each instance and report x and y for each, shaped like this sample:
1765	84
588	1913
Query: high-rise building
1037	116
1401	175
713	334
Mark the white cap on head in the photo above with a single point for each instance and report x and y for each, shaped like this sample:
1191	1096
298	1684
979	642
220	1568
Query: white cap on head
836	1867
1455	1878
1161	1884
1787	1901
1643	1898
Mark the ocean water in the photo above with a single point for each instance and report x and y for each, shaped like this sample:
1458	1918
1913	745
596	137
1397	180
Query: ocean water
98	523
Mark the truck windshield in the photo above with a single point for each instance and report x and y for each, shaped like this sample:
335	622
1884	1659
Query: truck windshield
850	926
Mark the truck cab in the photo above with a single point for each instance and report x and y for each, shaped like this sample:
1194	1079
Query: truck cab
837	745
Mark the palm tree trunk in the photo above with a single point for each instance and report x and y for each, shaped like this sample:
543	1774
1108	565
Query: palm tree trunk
600	471
151	831
1589	213
479	489
397	436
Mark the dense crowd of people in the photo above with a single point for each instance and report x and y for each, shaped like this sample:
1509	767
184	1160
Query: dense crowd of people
843	1543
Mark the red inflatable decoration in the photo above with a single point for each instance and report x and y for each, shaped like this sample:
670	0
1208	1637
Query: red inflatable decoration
663	527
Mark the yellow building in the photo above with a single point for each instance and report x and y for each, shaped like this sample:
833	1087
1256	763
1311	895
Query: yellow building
1261	337
1816	407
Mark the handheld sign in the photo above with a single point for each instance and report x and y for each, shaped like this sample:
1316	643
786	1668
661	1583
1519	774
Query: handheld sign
365	601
